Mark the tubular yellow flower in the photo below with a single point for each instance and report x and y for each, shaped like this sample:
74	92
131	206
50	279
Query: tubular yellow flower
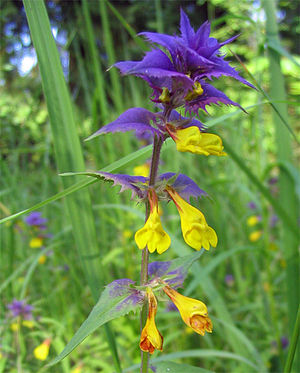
142	170
192	140
152	234
193	312
195	230
252	220
36	242
42	259
41	352
151	339
255	236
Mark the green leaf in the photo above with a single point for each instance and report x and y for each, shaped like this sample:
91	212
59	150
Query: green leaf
170	367
115	301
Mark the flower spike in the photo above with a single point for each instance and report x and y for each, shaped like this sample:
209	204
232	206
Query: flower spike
152	234
192	140
151	339
195	230
193	312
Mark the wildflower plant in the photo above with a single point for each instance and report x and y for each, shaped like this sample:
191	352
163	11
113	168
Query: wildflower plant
179	70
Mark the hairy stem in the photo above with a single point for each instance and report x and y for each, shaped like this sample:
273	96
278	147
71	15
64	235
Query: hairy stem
158	141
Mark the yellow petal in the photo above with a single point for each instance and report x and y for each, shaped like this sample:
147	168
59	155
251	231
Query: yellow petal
192	140
252	220
41	352
152	234
36	242
195	229
193	312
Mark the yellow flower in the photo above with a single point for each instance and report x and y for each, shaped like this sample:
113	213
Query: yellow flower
127	233
142	170
252	220
152	234
193	312
255	236
28	324
41	352
151	339
42	259
15	326
36	242
192	140
195	230
78	369
197	91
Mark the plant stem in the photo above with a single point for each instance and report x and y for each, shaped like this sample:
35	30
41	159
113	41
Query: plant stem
293	345
158	141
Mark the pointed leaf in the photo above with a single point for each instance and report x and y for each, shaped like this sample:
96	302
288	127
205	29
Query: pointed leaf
118	299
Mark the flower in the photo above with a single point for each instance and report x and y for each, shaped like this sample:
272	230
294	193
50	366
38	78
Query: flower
193	312
36	242
151	339
35	219
152	234
20	308
253	220
255	236
42	259
177	77
229	280
191	140
195	230
41	352
142	170
252	205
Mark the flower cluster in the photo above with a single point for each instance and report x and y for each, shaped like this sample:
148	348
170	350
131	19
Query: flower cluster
179	70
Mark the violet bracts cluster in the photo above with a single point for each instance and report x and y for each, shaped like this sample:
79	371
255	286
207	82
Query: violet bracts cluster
179	70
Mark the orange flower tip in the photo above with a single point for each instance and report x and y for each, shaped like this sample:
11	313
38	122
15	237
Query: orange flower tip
201	324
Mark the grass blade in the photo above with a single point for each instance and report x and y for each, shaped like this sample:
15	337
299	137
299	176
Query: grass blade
67	146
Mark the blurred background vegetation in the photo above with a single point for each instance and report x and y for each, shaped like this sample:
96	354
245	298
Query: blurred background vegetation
249	282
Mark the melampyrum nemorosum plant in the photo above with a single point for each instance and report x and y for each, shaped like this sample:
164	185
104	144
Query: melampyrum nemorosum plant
178	70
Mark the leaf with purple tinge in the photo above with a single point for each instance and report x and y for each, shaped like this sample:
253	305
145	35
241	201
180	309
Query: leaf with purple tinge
118	299
134	119
176	269
184	186
127	182
210	95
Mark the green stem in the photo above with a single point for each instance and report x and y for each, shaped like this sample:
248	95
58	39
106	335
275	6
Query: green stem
158	141
293	345
287	190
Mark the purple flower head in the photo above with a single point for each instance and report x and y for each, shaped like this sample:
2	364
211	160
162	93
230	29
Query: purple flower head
273	220
252	205
35	219
229	280
190	58
284	342
20	308
273	180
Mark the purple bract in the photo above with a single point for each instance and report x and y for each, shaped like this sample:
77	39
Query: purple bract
190	58
35	219
20	308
